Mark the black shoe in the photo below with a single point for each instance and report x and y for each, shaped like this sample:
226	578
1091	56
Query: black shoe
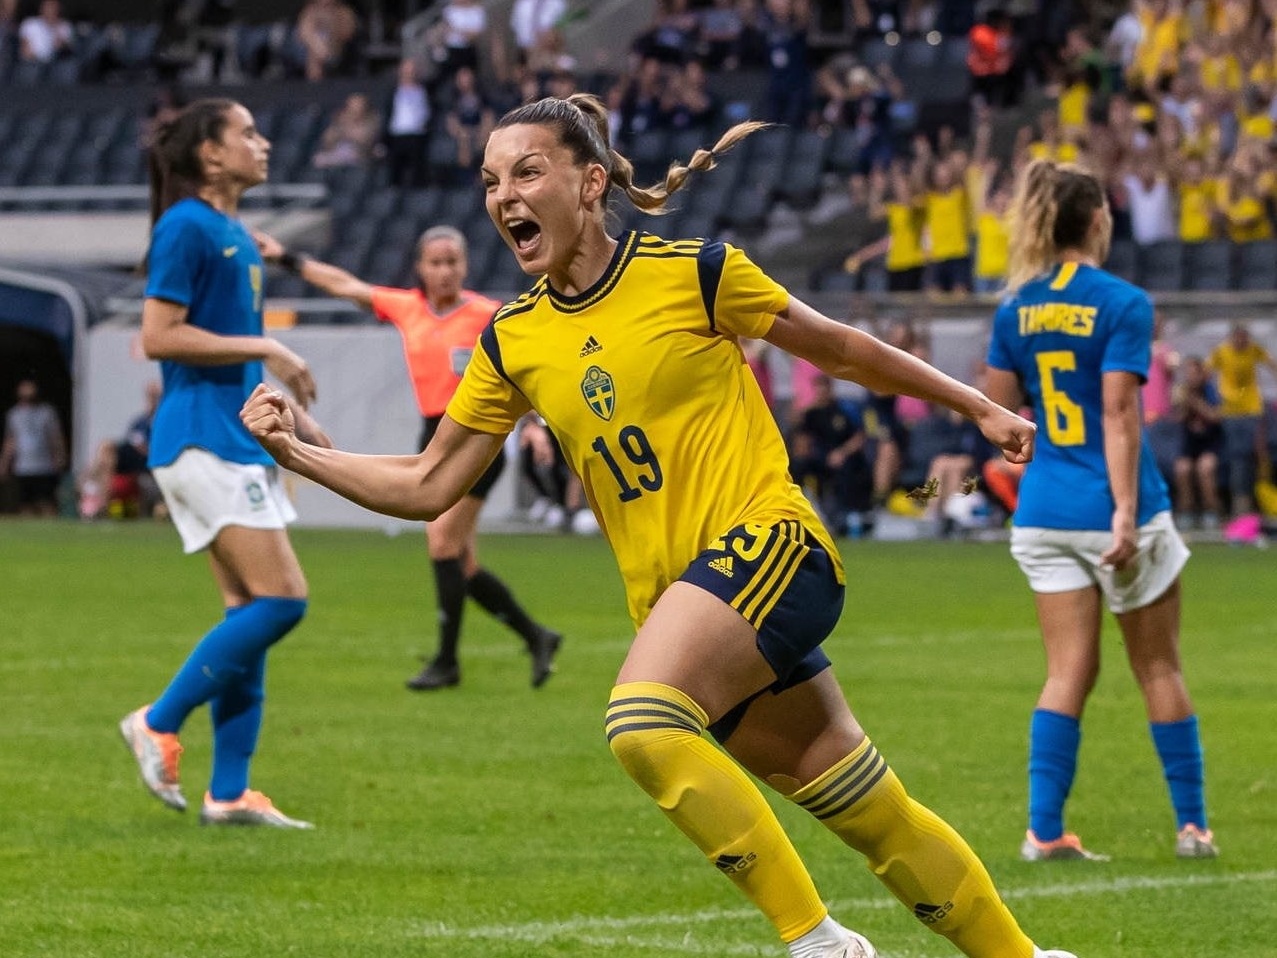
435	676
543	650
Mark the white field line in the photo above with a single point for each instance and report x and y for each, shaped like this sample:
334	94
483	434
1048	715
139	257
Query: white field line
609	932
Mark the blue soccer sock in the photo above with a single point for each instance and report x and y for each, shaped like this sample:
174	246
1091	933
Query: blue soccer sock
237	718
1179	746
1053	743
225	657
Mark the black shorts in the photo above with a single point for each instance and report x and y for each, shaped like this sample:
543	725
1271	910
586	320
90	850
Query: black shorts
484	484
784	584
904	280
37	489
1198	444
950	274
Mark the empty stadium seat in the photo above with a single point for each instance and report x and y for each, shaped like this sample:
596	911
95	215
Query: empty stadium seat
1161	266
875	51
649	151
1208	266
801	184
917	54
1122	261
1257	265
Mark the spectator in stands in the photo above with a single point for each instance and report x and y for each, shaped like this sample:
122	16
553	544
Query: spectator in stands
1148	194
8	35
408	115
992	240
132	483
117	482
1196	195
533	23
641	106
827	459
946	218
1201	442
947	449
991	60
789	90
1156	52
351	137
906	218
1242	200
325	29
1156	393
1236	363
877	17
469	118
851	96
688	103
673	35
460	36
34	451
47	36
721	28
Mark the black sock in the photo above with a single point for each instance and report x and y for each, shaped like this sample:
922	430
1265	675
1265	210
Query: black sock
450	586
497	600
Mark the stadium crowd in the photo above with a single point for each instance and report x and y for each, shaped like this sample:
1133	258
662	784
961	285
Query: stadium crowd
1172	104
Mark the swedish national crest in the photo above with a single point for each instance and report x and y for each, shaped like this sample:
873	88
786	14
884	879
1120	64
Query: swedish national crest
599	392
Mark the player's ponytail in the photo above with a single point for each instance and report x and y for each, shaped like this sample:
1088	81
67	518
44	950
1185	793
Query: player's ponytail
1052	211
582	123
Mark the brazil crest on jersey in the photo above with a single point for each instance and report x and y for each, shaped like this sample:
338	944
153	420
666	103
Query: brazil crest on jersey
643	382
1060	333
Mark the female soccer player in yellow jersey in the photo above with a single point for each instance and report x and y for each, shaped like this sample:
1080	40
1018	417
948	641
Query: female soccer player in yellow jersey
628	347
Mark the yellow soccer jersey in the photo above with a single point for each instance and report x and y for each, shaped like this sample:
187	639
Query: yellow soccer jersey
947	224
643	382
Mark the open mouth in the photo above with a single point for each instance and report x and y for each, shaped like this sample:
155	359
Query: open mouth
525	233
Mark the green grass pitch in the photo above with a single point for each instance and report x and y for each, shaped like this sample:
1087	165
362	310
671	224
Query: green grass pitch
490	821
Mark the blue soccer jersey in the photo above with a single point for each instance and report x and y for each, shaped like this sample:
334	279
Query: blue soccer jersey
1059	334
207	261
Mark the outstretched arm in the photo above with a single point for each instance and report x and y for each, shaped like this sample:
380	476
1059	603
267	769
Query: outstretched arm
410	487
333	280
847	353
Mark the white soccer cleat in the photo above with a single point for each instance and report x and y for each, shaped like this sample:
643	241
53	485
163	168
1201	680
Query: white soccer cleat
251	808
1068	847
856	946
1194	842
157	755
1052	953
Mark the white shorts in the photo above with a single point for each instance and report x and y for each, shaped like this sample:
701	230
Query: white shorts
204	494
1061	560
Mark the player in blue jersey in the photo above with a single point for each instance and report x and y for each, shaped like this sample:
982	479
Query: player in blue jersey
202	319
1093	522
629	348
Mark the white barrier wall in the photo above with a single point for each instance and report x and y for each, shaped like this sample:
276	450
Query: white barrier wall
365	403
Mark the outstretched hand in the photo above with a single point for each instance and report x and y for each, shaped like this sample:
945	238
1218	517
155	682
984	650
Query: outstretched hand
1011	433
269	419
270	248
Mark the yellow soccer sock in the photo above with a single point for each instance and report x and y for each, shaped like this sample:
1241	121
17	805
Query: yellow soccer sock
655	732
921	859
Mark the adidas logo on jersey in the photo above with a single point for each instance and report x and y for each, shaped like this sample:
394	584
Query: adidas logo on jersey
591	347
723	565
